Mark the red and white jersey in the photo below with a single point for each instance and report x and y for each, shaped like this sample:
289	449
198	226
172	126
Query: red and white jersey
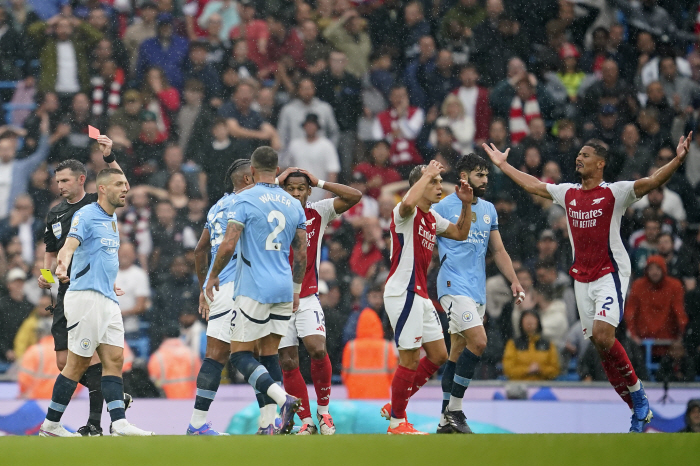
412	244
318	215
594	217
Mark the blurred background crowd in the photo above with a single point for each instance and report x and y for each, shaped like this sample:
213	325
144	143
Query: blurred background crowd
359	92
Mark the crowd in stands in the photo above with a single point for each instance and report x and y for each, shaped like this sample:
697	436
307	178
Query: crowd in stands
358	91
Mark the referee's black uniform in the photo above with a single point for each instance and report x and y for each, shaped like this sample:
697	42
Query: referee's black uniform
58	222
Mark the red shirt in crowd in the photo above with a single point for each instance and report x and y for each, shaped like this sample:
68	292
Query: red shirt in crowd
370	171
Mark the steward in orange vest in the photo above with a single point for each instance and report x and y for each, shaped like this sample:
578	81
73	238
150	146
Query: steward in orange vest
174	367
37	370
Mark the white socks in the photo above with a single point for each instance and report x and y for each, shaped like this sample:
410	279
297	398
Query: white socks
394	423
277	393
455	404
199	417
636	387
268	414
322	409
443	421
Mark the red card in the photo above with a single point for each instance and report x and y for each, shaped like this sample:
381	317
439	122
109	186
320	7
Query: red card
93	132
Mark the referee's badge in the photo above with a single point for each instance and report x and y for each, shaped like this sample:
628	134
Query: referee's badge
114	226
56	227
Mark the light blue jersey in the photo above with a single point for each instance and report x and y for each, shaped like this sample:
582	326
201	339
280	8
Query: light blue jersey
463	263
95	263
217	220
270	219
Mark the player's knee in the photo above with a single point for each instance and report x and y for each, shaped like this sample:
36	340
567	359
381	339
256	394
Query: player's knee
60	363
288	363
479	347
318	352
439	358
602	339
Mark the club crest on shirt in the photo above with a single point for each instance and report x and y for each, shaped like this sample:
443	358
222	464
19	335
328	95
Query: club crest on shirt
487	219
56	227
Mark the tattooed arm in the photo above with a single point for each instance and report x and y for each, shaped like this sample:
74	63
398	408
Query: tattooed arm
299	266
223	255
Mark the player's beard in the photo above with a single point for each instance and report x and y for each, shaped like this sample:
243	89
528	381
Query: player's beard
479	191
116	201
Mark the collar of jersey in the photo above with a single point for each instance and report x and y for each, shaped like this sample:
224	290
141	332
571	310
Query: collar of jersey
269	185
103	211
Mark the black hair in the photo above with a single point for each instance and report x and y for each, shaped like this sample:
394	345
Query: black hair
470	162
73	165
298	174
530	312
264	158
599	147
415	174
233	168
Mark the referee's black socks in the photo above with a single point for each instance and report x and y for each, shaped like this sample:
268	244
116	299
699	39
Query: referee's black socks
92	379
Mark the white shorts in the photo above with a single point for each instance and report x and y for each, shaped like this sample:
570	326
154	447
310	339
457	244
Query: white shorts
602	299
464	313
251	320
92	319
308	320
219	324
414	320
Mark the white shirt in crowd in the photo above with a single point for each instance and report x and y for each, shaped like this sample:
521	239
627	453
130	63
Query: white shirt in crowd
672	205
67	78
318	157
5	187
134	281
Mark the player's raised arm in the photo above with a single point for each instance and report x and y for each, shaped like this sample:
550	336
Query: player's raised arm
460	231
528	182
107	155
299	267
347	196
223	255
65	255
201	254
415	193
644	185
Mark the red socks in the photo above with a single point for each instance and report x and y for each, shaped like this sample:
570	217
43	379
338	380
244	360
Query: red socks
619	370
425	371
294	385
321	373
401	390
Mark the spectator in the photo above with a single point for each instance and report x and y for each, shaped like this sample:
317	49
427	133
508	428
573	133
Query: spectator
465	14
461	125
530	356
198	68
170	238
166	51
369	360
418	71
517	239
400	125
656	98
15	174
644	244
216	157
27	333
16	308
293	115
634	160
129	116
343	92
348	36
246	125
316	52
316	154
47	104
23	224
106	90
64	45
591	369
192	330
284	44
254	32
161	99
227	12
97	18
610	89
553	314
37	367
547	274
377	171
416	27
676	366
655	307
144	27
652	18
135	224
493	49
174	366
443	80
663	200
370	250
681	266
243	66
134	282
194	120
219	48
692	416
11	50
367	208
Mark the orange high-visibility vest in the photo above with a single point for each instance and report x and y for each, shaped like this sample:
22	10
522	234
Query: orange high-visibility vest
369	360
174	368
37	370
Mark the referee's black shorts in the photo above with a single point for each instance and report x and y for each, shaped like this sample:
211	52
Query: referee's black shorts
59	328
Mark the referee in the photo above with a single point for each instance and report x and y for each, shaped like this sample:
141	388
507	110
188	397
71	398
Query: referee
70	175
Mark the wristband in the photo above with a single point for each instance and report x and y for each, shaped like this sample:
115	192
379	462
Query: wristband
109	158
277	181
320	184
297	288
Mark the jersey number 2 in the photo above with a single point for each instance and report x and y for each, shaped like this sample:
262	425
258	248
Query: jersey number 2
270	245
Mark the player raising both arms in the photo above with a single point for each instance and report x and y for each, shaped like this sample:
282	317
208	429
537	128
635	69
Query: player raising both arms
461	285
218	312
267	221
91	308
70	177
308	323
414	227
601	268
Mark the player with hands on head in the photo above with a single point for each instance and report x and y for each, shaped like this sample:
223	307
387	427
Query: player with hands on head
601	268
414	228
461	285
218	312
92	311
308	322
267	221
70	176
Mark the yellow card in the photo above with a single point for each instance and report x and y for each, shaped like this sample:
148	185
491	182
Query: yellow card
46	273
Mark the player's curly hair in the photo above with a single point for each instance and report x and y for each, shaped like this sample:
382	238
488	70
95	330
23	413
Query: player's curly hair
470	162
297	174
599	147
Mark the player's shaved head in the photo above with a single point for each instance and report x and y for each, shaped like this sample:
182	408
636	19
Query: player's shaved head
104	175
264	159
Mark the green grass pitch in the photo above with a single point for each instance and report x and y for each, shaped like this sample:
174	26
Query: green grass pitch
363	450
